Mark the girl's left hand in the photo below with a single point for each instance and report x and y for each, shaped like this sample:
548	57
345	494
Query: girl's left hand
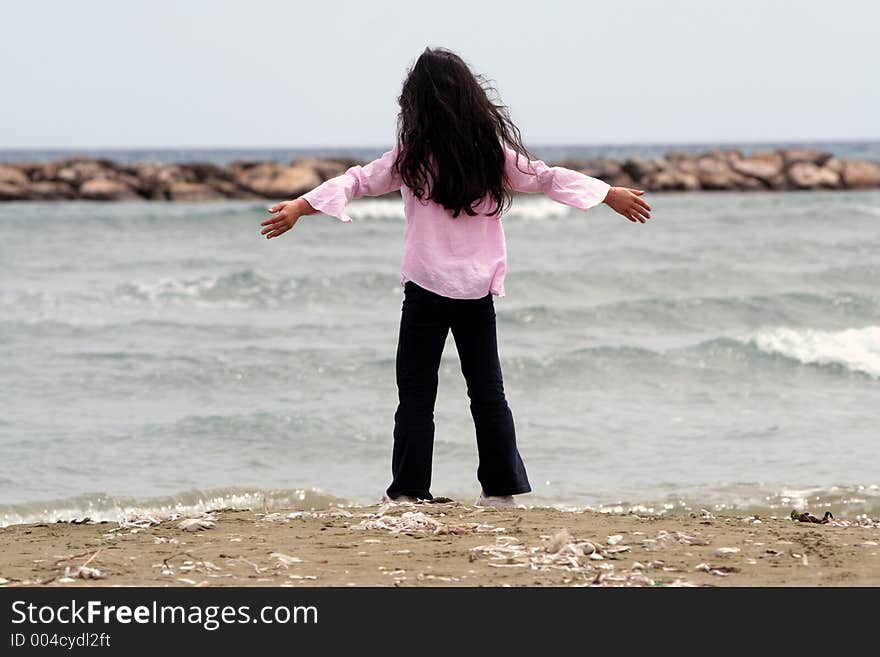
289	213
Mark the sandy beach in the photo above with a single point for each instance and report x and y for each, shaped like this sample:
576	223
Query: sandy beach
445	544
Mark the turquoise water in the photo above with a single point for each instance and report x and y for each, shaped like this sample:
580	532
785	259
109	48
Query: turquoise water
725	355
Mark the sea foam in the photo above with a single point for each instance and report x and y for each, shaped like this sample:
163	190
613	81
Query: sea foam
536	208
855	349
101	507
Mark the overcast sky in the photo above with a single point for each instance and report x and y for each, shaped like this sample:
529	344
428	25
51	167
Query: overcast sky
279	74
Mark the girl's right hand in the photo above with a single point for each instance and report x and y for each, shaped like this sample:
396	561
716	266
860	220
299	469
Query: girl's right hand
627	202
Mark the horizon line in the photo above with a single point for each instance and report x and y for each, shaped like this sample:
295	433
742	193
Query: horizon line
722	142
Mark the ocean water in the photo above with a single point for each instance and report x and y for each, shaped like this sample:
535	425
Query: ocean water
867	150
724	356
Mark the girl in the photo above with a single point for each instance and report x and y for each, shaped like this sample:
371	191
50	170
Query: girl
457	160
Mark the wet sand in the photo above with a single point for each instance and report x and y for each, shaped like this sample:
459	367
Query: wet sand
441	545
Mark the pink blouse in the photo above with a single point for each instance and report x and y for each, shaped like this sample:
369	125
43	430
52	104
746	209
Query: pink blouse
463	257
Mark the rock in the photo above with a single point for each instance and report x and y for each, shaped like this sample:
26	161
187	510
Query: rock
806	175
40	171
237	167
623	179
689	165
765	166
325	169
677	157
752	184
13	184
248	174
715	173
574	164
12	192
201	171
79	169
229	189
131	180
730	154
670	180
722	154
604	169
95	178
154	179
189	191
50	190
835	165
860	174
792	156
105	189
29	169
273	181
162	173
639	167
609	171
12	176
294	181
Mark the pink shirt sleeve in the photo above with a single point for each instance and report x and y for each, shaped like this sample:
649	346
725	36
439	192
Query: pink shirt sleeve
563	185
373	179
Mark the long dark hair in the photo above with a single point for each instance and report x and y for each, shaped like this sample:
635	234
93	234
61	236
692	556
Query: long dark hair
451	135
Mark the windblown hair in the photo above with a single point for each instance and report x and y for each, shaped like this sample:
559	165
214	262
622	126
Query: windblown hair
451	135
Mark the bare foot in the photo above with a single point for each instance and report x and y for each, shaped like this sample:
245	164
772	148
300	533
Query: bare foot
503	501
400	499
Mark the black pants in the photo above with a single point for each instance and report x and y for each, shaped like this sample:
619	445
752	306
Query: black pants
425	321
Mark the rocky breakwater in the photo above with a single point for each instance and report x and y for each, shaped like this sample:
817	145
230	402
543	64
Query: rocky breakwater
106	180
792	169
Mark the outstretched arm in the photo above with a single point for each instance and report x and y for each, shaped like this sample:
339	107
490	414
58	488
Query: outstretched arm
573	187
332	196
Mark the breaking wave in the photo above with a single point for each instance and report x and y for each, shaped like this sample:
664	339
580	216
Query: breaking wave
102	507
854	349
535	209
851	501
